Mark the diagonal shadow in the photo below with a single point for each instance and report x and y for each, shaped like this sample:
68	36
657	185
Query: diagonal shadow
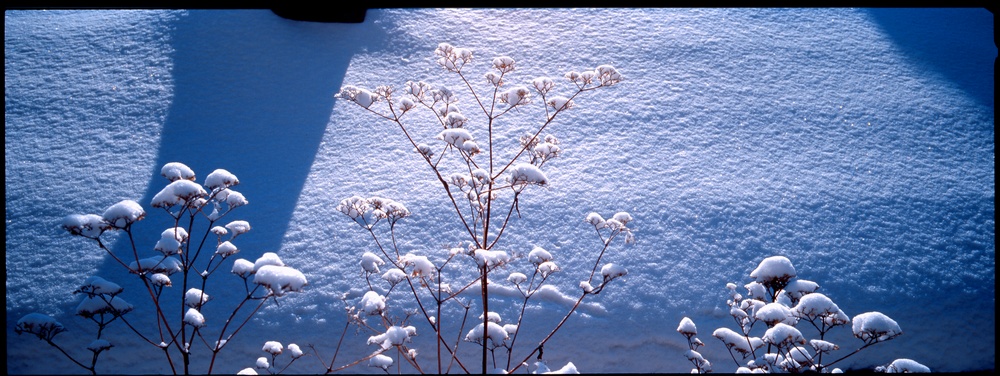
953	42
253	94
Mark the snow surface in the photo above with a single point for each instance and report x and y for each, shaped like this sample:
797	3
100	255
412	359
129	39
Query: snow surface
858	143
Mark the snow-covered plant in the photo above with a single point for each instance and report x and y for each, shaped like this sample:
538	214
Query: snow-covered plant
483	183
181	258
768	320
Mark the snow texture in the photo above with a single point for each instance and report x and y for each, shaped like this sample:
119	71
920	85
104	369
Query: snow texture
859	143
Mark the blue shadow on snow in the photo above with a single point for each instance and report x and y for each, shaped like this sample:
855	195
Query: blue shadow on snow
253	94
948	41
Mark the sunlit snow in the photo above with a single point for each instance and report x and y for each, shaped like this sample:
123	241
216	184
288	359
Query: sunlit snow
856	143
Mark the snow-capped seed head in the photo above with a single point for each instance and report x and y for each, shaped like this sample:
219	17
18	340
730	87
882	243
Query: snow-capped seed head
44	326
443	95
607	75
196	203
444	49
92	306
687	327
470	147
774	313
219	230
380	361
394	276
452	58
623	217
491	317
243	268
157	264
614	224
543	84
822	346
393	336
517	278
370	262
176	170
612	271
546	151
194	318
596	220
629	237
547	268
586	286
783	335
875	326
504	64
195	298
247	371
96	286
491	258
454	120
455	136
904	365
235	199
539	255
756	290
417	89
459	180
493	78
359	96
268	258
528	141
516	96
179	191
160	279
171	241
372	303
425	150
280	279
526	173
406	104
226	249
480	176
221	178
99	345
354	207
559	103
294	351
262	363
123	213
774	269
422	266
493	331
815	305
87	225
273	347
238	227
